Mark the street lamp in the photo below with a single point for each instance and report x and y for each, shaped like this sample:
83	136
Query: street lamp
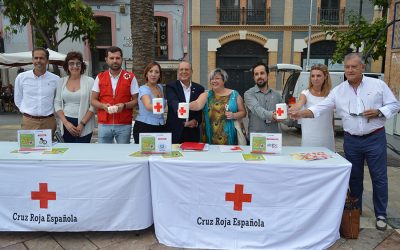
309	38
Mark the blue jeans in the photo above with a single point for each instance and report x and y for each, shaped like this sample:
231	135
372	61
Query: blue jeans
121	133
371	148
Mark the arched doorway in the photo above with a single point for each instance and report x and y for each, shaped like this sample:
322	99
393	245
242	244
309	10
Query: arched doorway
321	52
237	58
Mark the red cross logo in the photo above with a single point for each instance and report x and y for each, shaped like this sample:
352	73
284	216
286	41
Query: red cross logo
158	107
238	197
43	195
280	112
182	111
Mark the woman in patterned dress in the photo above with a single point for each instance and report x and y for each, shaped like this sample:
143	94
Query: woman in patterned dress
221	107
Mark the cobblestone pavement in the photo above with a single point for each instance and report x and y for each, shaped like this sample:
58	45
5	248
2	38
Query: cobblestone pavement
369	238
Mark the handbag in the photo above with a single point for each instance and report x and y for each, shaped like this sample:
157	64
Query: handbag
240	131
350	225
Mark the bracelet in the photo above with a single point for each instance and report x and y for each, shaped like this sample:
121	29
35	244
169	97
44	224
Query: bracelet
83	124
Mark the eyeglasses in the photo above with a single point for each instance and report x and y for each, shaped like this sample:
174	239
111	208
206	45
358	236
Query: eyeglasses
76	64
352	113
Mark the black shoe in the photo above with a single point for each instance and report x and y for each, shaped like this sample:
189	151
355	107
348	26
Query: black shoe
381	223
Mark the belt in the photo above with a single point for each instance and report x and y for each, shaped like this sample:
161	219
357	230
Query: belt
37	117
373	132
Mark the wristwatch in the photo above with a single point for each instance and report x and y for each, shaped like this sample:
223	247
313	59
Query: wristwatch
380	114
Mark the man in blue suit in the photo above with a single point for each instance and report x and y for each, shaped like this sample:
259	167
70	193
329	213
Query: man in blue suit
183	90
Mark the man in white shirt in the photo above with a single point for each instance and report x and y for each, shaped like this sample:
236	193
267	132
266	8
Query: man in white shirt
34	93
364	104
114	94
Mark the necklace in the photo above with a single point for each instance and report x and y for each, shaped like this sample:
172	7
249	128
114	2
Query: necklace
155	91
316	92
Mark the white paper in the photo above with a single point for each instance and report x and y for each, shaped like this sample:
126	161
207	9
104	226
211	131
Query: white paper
281	111
158	105
183	110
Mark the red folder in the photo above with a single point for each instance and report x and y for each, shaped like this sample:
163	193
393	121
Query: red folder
193	146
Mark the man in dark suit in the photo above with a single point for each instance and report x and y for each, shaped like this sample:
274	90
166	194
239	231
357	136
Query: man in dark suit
183	90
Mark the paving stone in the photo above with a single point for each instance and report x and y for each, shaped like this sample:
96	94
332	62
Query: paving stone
19	246
43	243
12	238
144	241
73	241
368	239
105	239
337	244
391	242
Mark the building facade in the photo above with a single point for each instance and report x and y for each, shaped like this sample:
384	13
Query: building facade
234	34
392	63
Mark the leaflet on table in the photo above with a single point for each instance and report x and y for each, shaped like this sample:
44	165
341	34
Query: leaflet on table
266	143
139	154
173	154
311	156
155	143
34	140
253	157
56	151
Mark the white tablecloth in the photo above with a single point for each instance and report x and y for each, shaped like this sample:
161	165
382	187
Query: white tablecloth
280	203
91	187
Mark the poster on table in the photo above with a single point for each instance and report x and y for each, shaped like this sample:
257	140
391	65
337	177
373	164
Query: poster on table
155	143
35	140
266	143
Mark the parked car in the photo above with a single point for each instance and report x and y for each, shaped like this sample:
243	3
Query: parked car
297	81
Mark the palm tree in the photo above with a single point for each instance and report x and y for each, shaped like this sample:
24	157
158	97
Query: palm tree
142	16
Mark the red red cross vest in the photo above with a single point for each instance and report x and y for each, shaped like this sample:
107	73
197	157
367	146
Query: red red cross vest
122	95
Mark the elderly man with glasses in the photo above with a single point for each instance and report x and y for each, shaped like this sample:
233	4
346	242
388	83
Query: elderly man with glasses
364	104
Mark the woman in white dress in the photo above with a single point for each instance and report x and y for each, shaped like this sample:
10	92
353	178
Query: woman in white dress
316	132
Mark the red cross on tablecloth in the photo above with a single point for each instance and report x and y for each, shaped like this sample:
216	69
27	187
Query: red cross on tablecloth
43	195
238	197
158	106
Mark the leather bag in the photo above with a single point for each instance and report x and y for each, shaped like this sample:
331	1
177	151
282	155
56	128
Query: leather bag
241	138
350	225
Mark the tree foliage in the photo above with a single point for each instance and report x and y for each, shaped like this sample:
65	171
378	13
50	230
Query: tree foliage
48	16
361	33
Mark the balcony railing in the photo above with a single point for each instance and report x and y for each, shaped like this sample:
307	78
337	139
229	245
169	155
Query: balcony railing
331	16
232	16
229	16
255	16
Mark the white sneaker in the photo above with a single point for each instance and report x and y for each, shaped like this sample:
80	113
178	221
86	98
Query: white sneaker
381	223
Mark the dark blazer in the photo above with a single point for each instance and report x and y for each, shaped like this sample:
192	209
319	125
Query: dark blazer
175	125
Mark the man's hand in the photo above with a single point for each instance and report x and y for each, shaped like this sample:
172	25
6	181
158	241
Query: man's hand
120	106
371	113
295	115
275	118
105	106
191	124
